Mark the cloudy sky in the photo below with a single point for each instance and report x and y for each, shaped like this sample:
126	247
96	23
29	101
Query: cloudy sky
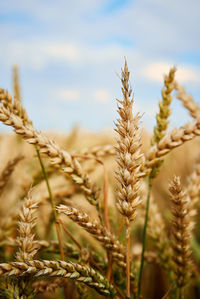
70	54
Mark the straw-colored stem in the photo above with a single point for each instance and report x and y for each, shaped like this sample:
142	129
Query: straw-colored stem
78	244
144	239
69	234
121	225
128	245
106	220
105	197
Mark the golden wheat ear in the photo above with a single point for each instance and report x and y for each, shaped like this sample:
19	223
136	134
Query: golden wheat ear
59	158
46	268
181	235
16	85
27	247
48	286
7	172
187	100
173	139
130	161
128	153
158	233
100	233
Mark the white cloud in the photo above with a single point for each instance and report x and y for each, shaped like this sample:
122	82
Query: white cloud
155	72
102	95
64	51
68	95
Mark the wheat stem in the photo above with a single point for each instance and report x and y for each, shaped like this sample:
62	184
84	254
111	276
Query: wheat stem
47	184
58	231
144	238
128	245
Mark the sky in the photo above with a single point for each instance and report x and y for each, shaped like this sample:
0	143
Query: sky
70	55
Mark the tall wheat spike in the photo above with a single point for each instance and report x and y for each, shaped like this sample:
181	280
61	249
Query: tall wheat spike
181	234
129	160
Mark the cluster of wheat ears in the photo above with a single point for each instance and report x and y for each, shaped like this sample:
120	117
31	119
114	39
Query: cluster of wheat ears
83	239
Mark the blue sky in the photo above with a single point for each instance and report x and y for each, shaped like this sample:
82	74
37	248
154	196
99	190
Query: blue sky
71	52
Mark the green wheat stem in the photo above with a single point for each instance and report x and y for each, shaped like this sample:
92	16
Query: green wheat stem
144	238
47	183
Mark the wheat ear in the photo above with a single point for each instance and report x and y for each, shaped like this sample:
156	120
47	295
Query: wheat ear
129	160
48	286
38	268
25	240
173	139
16	86
164	107
59	158
128	152
7	171
193	191
99	232
97	151
181	234
14	105
187	101
157	231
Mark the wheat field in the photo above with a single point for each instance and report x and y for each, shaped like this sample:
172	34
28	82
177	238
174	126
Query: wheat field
94	215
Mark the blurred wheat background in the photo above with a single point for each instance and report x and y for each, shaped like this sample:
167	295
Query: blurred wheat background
100	180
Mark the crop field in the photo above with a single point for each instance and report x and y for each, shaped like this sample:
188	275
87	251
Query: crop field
113	214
